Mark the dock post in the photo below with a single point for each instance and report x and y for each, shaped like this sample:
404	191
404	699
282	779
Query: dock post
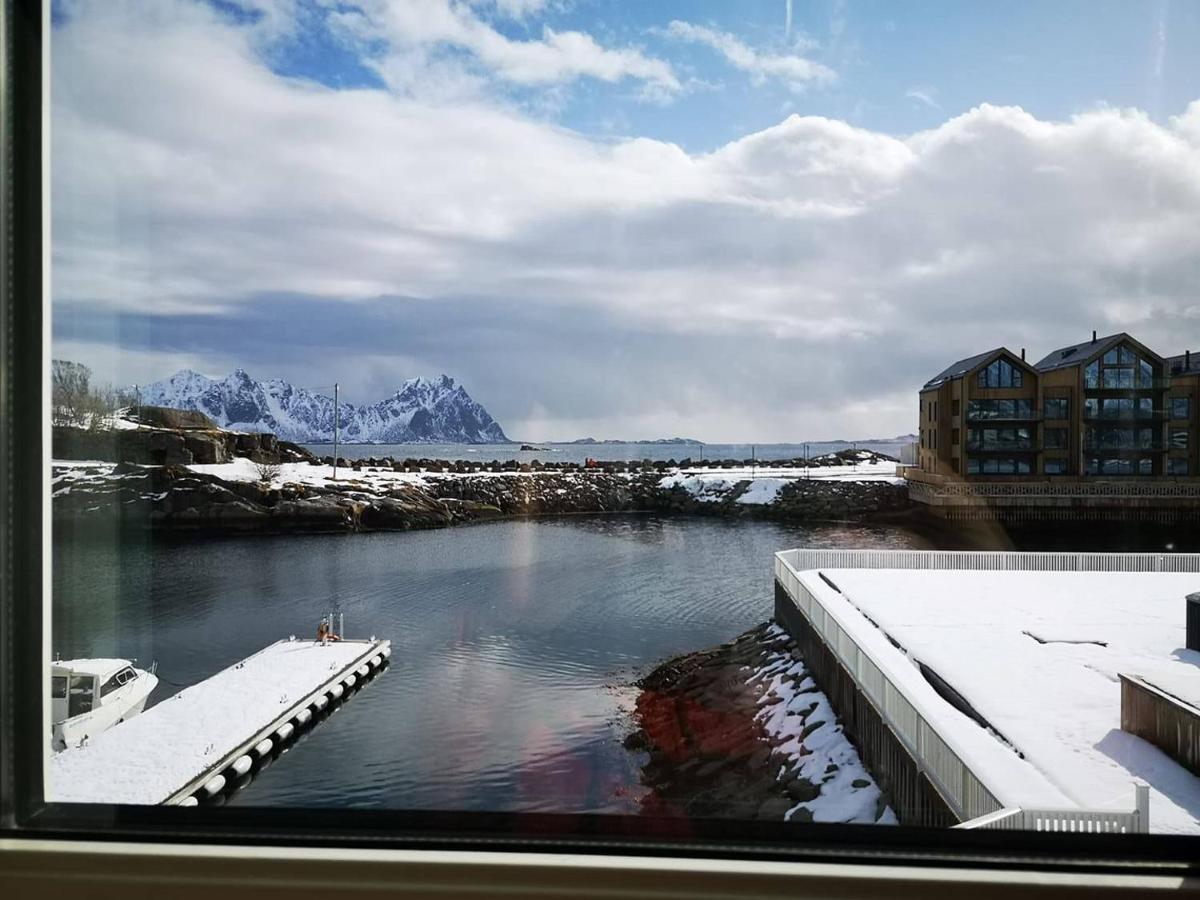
1141	794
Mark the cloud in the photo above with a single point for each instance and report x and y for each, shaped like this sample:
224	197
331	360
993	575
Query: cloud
391	32
924	95
795	71
797	283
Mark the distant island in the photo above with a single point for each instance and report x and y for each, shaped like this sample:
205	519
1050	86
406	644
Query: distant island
674	440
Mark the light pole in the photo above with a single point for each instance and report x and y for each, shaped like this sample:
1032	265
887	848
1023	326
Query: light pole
335	430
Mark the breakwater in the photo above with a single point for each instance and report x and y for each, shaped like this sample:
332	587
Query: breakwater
305	498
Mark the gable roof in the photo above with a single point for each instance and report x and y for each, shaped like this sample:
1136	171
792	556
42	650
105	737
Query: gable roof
963	366
1074	354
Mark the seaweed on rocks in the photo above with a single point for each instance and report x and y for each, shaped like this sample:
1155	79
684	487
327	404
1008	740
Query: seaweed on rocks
739	731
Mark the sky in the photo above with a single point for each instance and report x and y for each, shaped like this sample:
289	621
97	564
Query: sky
763	220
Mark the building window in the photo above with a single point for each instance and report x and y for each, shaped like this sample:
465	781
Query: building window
1118	408
1181	407
1056	439
1057	407
955	407
1120	369
1177	466
999	439
997	466
978	410
955	436
1179	438
1000	374
1101	466
1109	438
1055	467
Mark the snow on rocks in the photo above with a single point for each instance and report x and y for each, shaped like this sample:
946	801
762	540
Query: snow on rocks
740	731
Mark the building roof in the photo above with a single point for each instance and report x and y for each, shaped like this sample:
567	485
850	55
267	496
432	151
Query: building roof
1077	353
962	367
1184	364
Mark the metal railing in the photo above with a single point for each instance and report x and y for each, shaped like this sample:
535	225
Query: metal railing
964	791
1066	820
1064	489
988	560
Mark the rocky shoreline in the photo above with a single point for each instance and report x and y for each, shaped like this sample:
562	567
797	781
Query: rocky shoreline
181	475
741	731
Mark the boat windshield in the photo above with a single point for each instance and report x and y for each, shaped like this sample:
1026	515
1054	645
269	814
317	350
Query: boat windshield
81	695
58	687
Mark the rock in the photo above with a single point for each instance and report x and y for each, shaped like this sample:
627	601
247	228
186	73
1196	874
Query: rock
802	790
802	815
164	417
206	448
774	808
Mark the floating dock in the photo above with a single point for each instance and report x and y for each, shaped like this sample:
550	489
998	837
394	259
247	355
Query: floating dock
984	690
203	741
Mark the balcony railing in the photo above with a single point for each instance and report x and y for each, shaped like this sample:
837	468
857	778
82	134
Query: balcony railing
1135	416
1001	447
1153	384
1147	447
1034	415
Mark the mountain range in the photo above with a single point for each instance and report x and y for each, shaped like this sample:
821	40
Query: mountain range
421	411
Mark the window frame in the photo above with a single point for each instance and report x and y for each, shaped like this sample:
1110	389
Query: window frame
29	825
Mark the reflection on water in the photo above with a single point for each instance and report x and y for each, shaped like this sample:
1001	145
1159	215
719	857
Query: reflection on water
511	642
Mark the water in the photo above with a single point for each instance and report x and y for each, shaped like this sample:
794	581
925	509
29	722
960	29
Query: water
514	642
577	453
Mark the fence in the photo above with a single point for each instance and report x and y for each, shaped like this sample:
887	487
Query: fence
1158	488
968	797
988	560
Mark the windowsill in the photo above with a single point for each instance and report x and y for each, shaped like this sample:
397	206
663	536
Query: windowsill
51	868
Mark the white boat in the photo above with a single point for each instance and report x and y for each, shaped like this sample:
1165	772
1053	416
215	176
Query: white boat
88	696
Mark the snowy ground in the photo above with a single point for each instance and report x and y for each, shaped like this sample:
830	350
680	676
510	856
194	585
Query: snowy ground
1057	702
823	756
149	757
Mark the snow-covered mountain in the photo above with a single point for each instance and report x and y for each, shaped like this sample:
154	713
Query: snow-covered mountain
422	411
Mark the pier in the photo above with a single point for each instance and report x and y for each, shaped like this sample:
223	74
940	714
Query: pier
983	690
205	740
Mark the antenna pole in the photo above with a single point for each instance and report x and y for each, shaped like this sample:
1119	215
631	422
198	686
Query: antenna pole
335	432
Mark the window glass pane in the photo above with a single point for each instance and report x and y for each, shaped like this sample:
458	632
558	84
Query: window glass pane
684	270
80	695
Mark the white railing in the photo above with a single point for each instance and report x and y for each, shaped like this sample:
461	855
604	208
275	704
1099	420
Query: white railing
1068	820
989	560
1068	490
964	791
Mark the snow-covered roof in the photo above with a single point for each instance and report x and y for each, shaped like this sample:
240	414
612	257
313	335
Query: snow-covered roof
1038	654
98	666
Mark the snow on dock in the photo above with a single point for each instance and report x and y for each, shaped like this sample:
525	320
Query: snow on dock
1037	654
216	729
